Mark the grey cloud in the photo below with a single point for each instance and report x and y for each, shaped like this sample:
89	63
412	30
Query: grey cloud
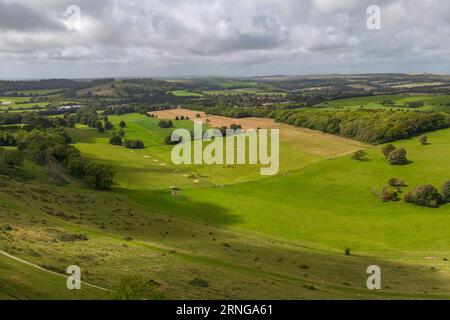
221	36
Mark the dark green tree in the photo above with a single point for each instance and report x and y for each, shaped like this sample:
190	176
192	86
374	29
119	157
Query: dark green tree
398	157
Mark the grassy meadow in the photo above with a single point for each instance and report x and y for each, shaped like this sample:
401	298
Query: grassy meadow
246	236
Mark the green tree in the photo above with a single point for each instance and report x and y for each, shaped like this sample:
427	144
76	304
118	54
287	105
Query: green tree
115	140
99	176
398	157
359	155
387	149
122	124
426	195
446	191
423	140
108	125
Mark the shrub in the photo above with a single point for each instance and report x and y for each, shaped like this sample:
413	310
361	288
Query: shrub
168	141
359	155
98	176
108	125
134	144
426	195
136	288
394	182
387	195
76	167
347	251
73	237
446	192
387	149
423	140
165	124
398	157
198	282
115	140
122	124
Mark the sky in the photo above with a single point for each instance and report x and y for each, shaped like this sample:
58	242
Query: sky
170	38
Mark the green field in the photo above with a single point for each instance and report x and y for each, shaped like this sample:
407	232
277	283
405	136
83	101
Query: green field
249	90
185	93
248	236
16	103
431	102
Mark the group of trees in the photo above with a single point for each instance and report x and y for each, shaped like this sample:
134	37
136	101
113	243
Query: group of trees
423	195
52	147
429	196
395	156
371	126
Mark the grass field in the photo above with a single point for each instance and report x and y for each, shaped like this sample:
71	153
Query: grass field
248	236
169	251
185	93
342	184
431	102
17	103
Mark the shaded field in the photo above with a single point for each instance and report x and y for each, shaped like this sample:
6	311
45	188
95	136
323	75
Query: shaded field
169	251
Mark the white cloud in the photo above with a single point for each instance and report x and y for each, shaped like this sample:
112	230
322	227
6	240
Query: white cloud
156	37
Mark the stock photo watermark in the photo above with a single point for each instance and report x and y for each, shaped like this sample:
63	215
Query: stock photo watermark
374	17
74	279
374	280
73	18
236	151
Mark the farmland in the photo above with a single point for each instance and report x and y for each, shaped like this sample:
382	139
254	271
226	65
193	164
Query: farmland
224	231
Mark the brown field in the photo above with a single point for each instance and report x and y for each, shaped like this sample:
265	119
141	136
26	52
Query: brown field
216	121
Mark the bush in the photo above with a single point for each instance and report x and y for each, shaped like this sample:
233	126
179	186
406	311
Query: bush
122	124
387	195
198	282
108	125
359	155
394	182
387	149
423	140
168	141
398	157
76	167
115	140
426	195
136	288
98	176
165	124
446	192
134	144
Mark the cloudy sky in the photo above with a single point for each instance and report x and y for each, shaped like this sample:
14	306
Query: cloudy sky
51	38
